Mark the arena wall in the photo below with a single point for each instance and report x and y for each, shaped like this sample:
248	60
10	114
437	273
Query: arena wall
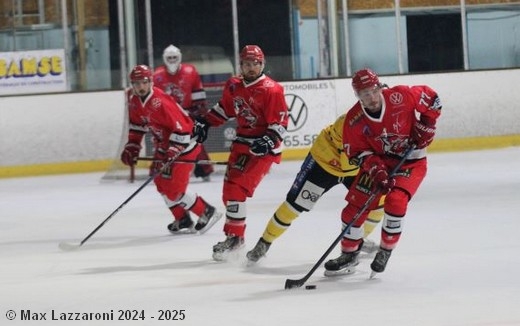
82	132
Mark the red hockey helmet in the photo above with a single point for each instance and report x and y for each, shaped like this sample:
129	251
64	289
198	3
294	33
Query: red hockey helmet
364	78
252	52
140	72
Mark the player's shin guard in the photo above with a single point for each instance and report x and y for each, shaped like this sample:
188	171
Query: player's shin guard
396	203
391	231
279	222
235	218
180	205
353	238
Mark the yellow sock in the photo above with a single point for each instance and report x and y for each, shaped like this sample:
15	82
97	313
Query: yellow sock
279	222
374	217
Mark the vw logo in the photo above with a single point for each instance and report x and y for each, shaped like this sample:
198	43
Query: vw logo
298	112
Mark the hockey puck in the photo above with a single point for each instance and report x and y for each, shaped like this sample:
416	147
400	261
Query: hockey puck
310	287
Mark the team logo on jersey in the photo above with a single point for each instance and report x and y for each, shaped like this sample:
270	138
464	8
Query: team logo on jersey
156	103
268	83
298	112
393	143
176	92
242	109
396	98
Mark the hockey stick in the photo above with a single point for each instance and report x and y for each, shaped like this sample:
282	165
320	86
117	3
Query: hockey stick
289	283
68	246
132	173
203	162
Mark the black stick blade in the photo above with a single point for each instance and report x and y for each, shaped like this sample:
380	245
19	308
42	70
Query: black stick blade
290	284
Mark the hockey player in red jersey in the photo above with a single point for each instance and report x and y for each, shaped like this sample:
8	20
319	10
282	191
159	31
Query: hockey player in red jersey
378	129
258	105
182	82
151	110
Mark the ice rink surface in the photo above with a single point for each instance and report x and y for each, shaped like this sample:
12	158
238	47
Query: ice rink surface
458	261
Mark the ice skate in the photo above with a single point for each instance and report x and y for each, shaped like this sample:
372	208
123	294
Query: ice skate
258	251
208	219
222	249
369	246
380	261
182	226
343	265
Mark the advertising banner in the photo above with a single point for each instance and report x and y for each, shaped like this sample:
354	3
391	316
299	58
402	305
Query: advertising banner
42	71
312	106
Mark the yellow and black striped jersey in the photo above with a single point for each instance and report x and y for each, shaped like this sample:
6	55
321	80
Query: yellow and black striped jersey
328	152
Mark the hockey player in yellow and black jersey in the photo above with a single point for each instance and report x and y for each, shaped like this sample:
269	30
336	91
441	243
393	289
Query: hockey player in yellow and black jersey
325	166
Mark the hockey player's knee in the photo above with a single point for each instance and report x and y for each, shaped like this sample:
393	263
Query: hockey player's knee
233	192
306	198
396	202
348	213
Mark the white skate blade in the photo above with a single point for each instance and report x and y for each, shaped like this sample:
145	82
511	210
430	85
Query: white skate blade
220	256
342	272
210	224
372	275
65	246
251	263
184	232
229	255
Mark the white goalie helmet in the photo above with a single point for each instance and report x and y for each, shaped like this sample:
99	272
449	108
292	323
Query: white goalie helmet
172	58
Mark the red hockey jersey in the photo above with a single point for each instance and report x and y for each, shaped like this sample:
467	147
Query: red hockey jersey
159	114
257	107
185	86
390	133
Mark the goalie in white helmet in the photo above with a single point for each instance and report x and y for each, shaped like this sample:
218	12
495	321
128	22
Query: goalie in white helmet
172	58
183	83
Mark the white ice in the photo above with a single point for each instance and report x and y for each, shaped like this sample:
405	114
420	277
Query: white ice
457	263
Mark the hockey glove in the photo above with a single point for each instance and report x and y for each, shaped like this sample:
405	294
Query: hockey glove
163	157
200	130
377	171
130	153
261	146
423	132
